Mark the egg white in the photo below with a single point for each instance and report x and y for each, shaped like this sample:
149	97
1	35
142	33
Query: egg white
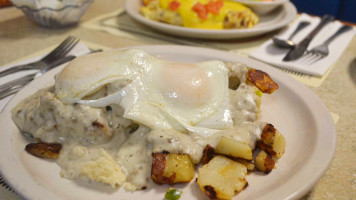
160	94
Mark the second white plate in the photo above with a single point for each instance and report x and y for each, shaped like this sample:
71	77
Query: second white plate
269	22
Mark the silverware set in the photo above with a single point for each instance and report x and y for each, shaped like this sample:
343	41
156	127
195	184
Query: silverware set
55	58
300	50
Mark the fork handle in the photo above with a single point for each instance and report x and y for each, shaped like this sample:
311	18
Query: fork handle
341	30
12	70
20	68
324	20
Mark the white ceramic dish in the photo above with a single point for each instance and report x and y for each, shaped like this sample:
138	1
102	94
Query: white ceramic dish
48	17
270	22
293	109
262	7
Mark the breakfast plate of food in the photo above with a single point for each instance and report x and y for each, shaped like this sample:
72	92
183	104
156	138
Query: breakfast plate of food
150	121
220	19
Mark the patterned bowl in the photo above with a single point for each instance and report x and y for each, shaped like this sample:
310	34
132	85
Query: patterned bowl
48	17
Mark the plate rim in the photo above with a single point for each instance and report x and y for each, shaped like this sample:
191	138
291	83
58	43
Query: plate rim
249	2
327	119
288	7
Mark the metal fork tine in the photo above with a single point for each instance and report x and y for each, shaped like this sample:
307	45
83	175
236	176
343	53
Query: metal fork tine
311	57
58	48
56	54
305	56
64	50
67	48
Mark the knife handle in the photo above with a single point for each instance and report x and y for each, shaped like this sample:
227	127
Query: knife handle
324	20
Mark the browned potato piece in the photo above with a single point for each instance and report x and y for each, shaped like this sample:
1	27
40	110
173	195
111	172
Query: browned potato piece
208	154
221	178
268	134
237	149
171	168
264	162
261	80
44	150
272	141
249	165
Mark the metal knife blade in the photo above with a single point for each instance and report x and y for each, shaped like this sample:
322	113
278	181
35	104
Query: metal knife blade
298	50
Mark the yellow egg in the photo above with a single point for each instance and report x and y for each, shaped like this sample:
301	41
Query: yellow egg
191	18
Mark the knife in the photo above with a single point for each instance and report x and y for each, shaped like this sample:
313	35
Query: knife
298	50
15	85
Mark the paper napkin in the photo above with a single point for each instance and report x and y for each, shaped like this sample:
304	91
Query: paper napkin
273	55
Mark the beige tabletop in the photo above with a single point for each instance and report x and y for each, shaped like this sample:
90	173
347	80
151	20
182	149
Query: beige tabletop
19	37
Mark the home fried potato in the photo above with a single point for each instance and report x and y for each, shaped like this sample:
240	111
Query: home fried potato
208	154
237	149
170	168
249	165
222	177
261	80
264	162
272	141
44	150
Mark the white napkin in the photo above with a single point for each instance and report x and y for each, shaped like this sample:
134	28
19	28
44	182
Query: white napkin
78	50
273	55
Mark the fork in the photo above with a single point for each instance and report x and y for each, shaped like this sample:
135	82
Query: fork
322	50
15	85
55	54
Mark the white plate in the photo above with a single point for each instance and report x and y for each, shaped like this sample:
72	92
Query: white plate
293	109
262	7
269	22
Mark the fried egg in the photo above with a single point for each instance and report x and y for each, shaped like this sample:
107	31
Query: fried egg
157	93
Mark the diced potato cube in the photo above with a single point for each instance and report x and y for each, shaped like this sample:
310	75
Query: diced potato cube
221	178
264	162
272	141
237	149
261	80
249	165
172	168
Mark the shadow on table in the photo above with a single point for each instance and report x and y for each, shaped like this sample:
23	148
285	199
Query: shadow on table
352	71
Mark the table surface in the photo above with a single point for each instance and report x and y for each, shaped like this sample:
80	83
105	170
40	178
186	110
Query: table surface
20	37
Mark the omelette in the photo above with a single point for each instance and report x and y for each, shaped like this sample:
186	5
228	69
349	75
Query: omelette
200	14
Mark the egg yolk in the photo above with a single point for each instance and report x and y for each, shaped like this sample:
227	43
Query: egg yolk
203	14
184	85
